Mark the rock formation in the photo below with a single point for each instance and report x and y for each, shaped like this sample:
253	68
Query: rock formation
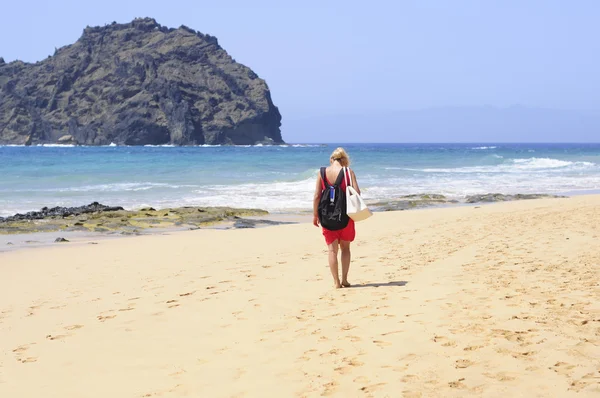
135	84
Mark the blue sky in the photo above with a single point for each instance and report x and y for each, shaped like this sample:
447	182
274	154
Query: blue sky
328	58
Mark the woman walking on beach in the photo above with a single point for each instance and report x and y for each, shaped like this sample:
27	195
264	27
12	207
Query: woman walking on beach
339	238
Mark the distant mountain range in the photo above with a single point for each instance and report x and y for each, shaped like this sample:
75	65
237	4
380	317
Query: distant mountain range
450	124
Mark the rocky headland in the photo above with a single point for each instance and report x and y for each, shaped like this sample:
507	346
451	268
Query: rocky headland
137	83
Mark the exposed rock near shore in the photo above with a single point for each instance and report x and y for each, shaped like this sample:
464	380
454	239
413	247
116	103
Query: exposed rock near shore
498	197
134	84
99	218
58	212
427	200
410	202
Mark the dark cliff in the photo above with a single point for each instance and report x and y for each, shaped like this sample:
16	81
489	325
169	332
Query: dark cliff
135	84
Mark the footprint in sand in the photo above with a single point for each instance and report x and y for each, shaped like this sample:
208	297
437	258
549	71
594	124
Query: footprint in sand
352	362
382	344
586	380
329	388
457	384
501	376
343	369
186	294
373	387
334	351
444	341
19	351
562	368
392	332
361	380
103	318
463	363
57	337
523	355
73	327
173	303
409	378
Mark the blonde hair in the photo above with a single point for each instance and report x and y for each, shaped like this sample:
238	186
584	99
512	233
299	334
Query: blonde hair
341	156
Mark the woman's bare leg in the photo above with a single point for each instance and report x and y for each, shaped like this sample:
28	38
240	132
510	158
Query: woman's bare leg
333	263
345	246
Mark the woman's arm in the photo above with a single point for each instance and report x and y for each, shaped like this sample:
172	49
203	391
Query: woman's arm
316	198
354	182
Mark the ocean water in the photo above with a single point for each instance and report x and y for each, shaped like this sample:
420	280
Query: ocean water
282	178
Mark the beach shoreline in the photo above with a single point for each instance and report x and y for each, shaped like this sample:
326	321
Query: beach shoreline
38	239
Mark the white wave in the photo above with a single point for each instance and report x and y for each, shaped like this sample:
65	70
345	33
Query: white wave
547	163
57	145
498	156
268	196
485	147
11	145
517	166
112	144
161	146
116	187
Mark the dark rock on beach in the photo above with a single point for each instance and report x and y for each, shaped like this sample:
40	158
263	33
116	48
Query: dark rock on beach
115	220
498	197
136	83
253	223
407	202
60	240
59	212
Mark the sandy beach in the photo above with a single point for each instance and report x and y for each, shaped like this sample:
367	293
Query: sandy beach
497	300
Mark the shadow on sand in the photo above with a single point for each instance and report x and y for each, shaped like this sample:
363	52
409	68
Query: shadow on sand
383	284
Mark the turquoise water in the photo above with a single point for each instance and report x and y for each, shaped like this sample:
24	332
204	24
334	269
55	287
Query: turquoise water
282	178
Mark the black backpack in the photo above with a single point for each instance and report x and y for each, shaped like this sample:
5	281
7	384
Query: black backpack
332	205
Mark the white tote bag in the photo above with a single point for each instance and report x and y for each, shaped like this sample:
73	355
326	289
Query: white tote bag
355	205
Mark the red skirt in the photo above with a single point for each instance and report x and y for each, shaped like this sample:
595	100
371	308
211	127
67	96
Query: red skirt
347	233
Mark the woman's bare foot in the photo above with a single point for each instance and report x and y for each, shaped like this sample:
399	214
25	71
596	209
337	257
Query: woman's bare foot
346	284
338	285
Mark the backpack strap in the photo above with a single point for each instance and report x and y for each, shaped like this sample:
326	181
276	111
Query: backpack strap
324	177
340	178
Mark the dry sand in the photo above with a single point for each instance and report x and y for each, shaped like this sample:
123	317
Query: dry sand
497	301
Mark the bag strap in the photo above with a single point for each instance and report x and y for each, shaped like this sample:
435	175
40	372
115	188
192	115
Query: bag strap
340	178
349	179
324	177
